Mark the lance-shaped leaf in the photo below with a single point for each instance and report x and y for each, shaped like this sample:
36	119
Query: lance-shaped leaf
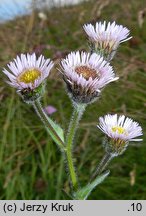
84	192
57	128
54	129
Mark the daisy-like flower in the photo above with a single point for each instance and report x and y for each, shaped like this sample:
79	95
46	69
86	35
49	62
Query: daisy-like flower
27	73
119	131
106	37
85	75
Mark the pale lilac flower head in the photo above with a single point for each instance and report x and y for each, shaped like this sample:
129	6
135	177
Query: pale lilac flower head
50	109
106	37
119	130
85	75
26	73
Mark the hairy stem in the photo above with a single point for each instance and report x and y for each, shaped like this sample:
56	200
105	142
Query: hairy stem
77	114
47	122
103	164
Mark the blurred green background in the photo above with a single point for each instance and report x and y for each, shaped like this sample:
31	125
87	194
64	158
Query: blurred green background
31	166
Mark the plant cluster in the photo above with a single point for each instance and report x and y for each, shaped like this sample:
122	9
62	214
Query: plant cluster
85	74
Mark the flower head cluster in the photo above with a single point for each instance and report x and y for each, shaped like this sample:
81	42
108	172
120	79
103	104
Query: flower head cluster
85	75
106	37
119	130
27	73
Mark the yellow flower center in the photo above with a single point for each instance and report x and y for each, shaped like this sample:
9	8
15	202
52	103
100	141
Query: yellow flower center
86	72
29	76
119	129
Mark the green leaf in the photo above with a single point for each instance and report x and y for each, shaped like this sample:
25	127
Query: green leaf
57	128
54	130
84	192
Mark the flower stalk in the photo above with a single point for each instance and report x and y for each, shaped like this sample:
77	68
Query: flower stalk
103	164
76	116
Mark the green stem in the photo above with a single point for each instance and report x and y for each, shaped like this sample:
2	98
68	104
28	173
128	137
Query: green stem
47	122
77	114
103	164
